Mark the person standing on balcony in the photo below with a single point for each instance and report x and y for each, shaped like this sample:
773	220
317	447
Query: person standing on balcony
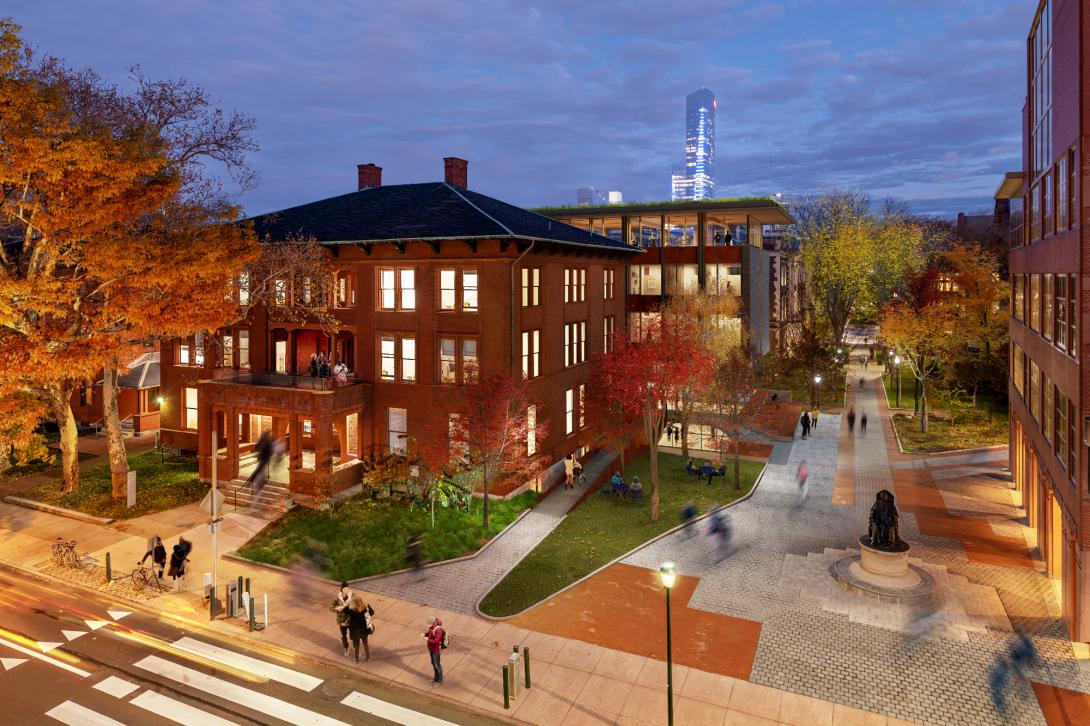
323	366
340	372
313	365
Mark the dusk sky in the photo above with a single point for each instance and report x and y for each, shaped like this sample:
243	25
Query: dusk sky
919	99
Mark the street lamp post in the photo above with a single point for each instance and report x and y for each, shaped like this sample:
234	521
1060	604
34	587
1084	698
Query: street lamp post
813	398
158	440
666	572
897	362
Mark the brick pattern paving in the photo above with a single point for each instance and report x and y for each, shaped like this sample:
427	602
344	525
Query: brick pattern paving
821	642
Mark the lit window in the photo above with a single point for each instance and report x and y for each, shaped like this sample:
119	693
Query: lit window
342	290
308	427
531	286
387	289
408	289
446	290
567	284
582	404
244	348
582	285
183	354
607	284
448	365
569	411
408	359
190	397
389	359
575	343
198	349
228	350
469	290
470	365
607	333
244	288
531	353
531	430
280	292
398	426
306	291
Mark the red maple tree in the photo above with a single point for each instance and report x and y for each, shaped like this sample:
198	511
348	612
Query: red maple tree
491	430
643	376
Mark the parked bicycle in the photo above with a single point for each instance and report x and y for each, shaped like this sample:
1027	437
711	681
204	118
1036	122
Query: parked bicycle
145	577
63	554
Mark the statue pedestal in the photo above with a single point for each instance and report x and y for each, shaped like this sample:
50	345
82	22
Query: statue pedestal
884	575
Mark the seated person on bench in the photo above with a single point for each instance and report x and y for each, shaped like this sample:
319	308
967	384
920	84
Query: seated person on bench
635	489
618	485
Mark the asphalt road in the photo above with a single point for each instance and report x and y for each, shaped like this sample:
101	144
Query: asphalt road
67	656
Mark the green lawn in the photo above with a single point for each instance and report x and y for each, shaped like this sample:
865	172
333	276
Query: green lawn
963	431
362	536
908	389
830	392
159	486
602	528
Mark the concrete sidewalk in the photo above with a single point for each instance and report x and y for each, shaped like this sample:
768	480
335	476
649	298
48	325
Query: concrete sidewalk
573	682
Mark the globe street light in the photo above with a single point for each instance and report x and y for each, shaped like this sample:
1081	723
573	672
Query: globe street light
158	441
666	572
897	362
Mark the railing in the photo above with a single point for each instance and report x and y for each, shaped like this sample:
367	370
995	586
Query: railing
285	380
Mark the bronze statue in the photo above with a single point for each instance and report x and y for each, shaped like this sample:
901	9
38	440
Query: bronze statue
883	532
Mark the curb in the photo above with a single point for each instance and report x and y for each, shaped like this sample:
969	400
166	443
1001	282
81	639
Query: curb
656	538
60	511
245	638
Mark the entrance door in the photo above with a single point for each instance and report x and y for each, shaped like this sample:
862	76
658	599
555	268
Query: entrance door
281	356
1055	546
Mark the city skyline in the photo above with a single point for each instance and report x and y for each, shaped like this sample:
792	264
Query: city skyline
695	180
912	101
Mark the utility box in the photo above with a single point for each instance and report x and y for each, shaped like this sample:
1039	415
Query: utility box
514	670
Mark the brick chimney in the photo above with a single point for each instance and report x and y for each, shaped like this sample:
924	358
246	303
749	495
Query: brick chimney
369	175
455	171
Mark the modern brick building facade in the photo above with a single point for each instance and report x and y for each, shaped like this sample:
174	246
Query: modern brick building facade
1049	264
431	281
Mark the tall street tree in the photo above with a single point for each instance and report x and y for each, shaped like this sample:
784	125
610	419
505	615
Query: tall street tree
737	377
645	376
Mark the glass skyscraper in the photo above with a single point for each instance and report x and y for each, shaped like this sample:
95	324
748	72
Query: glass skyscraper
696	180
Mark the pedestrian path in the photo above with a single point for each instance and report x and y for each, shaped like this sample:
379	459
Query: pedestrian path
459	586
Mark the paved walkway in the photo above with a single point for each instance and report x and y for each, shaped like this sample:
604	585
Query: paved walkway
818	640
459	586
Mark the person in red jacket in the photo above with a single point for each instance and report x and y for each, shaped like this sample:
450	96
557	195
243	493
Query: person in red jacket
434	636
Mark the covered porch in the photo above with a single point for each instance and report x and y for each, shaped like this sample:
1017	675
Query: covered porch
320	432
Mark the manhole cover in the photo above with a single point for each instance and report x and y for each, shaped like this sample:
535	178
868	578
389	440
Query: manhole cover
337	688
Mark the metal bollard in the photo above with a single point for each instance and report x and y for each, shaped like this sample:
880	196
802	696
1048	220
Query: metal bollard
212	602
240	591
253	624
506	690
514	649
526	663
248	585
109	572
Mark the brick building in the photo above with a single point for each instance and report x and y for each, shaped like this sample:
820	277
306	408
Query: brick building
1049	403
137	396
431	281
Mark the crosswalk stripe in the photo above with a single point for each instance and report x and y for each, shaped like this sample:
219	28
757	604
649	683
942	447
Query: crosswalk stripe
74	714
390	711
177	711
116	687
242	696
51	661
242	662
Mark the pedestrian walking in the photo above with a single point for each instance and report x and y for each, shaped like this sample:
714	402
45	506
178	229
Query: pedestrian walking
719	530
360	625
569	471
266	448
851	419
338	606
802	476
414	553
437	639
179	556
158	555
814	412
863	425
688	514
805	421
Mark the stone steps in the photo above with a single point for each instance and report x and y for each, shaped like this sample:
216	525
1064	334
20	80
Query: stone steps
274	498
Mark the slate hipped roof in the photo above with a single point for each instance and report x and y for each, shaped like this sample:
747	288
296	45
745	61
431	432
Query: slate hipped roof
143	373
428	211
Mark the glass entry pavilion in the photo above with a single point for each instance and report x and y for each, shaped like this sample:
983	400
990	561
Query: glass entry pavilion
714	245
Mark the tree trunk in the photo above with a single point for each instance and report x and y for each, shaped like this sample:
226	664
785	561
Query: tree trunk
737	464
923	406
484	488
653	451
115	441
60	399
685	437
915	395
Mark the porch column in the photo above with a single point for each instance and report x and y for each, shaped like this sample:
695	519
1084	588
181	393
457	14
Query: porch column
323	444
231	465
295	443
342	434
